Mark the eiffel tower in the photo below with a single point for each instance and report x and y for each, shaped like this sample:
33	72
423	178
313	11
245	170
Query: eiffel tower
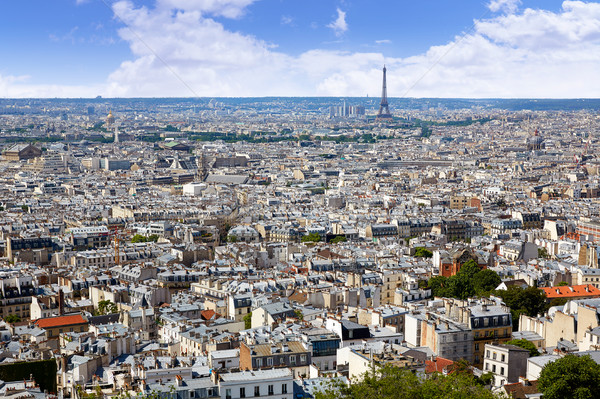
384	111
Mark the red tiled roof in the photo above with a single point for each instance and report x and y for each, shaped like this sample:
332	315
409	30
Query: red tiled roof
574	291
438	365
208	314
521	390
328	254
58	321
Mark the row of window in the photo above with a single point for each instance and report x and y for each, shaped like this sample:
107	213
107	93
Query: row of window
487	321
490	334
487	368
494	355
270	391
259	361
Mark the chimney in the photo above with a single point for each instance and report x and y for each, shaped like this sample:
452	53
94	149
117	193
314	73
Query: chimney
61	302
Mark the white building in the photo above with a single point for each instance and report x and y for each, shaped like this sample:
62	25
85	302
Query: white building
258	383
506	362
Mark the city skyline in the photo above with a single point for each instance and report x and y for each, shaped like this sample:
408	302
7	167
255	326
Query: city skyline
179	48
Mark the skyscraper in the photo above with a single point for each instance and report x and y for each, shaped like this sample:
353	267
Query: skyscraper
384	111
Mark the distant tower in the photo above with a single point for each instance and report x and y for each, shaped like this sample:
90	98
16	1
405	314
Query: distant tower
116	140
384	111
202	166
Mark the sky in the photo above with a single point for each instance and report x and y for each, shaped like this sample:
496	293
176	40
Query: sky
256	48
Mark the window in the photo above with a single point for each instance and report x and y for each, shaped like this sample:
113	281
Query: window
257	390
284	388
270	390
293	359
476	347
487	354
302	358
487	366
493	368
501	370
494	356
269	361
258	362
242	392
228	394
503	357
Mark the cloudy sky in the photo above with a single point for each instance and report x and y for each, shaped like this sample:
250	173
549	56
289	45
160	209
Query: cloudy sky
188	48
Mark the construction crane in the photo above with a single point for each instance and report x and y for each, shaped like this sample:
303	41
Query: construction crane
117	237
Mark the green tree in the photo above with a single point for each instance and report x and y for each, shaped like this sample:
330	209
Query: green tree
439	286
530	301
525	344
338	239
153	237
390	382
468	282
543	253
461	286
312	237
139	238
12	318
422	252
247	320
232	238
25	208
486	281
562	284
107	307
570	377
469	269
299	314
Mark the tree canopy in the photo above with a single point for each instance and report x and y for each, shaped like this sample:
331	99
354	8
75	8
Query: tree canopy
107	307
247	320
397	383
12	318
422	252
312	237
570	377
525	344
140	238
338	239
469	281
530	301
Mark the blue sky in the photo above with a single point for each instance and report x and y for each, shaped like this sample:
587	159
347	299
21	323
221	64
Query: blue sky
433	48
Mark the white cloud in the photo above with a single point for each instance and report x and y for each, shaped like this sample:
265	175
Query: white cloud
20	87
529	53
508	6
287	20
383	41
339	25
